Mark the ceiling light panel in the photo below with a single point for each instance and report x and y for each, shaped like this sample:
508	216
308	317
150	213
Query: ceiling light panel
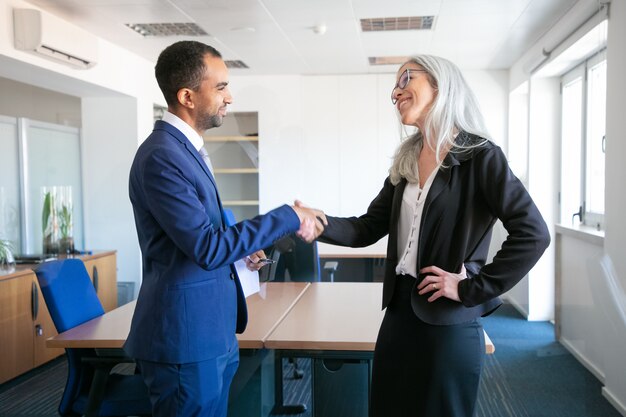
380	24
235	63
167	29
388	60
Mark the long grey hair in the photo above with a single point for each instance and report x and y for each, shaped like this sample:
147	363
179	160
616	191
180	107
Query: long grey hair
454	109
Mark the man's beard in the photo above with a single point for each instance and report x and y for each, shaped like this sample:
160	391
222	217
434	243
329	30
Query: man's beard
210	121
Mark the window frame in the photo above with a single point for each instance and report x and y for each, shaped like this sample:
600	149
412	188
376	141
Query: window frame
580	71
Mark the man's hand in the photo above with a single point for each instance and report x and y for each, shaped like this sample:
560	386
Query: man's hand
253	261
312	222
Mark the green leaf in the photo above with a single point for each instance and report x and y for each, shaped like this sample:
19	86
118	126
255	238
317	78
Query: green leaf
5	250
45	213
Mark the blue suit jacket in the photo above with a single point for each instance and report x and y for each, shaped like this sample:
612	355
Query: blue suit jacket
190	303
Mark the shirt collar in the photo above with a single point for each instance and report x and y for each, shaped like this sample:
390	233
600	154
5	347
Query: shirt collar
193	136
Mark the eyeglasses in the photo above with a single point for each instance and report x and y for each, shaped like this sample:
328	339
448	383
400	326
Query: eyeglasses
403	81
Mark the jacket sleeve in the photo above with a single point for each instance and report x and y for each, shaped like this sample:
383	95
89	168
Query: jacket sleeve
528	235
173	199
364	230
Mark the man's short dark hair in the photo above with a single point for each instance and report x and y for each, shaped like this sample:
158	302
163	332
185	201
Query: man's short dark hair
181	65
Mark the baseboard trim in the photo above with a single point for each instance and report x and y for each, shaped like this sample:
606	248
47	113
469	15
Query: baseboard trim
583	360
517	306
615	402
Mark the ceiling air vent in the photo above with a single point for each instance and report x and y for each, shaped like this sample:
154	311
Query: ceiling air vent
388	60
235	64
167	29
397	23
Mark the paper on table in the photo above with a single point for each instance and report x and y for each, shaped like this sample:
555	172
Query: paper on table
249	280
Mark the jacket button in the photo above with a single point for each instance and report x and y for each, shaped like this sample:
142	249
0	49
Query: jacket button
232	276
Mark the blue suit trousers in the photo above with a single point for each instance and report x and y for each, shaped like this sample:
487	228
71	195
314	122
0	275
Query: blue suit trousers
196	389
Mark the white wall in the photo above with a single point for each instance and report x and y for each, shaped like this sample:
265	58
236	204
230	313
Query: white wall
329	140
112	143
322	139
491	89
543	173
615	201
578	315
24	100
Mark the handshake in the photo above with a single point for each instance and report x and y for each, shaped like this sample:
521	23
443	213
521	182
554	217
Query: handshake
312	222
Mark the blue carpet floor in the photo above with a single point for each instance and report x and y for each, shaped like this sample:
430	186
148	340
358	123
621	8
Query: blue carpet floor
534	375
529	375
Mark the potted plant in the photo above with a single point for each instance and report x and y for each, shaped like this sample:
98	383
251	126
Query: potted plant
7	262
49	224
66	243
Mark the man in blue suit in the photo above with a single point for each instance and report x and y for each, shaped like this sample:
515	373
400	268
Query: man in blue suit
191	303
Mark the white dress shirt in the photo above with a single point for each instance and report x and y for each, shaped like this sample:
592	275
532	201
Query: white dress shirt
409	225
196	140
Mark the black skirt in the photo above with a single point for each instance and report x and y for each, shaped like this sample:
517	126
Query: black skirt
423	370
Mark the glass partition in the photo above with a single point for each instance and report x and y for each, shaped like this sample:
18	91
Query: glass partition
10	218
52	170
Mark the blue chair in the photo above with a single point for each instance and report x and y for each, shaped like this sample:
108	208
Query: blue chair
228	217
90	389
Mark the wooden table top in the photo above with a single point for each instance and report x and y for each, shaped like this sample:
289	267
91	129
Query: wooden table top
335	316
283	315
265	309
332	316
107	331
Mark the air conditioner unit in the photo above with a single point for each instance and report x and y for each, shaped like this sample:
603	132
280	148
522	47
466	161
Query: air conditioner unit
53	38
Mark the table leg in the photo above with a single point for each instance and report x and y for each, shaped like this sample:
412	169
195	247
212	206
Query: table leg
279	406
96	391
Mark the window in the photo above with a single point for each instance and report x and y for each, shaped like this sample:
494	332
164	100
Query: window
582	142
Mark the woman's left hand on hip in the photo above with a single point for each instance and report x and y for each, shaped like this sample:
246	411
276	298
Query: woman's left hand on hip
441	283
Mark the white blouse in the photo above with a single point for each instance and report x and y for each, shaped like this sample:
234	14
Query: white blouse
409	225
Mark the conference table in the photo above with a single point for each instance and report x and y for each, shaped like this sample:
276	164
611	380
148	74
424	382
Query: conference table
334	324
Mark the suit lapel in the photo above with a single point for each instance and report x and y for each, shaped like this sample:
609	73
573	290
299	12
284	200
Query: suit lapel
178	135
440	182
188	146
396	204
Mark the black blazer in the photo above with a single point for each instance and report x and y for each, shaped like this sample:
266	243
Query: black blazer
474	188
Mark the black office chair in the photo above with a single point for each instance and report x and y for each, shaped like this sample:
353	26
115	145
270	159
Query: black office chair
72	300
298	261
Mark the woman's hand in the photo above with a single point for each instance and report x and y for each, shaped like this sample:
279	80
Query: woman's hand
441	283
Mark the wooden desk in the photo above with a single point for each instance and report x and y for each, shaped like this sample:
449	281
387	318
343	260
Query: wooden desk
108	331
265	310
338	316
332	316
319	320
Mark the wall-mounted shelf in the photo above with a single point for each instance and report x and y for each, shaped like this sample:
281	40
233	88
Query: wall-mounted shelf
240	202
231	138
234	152
236	170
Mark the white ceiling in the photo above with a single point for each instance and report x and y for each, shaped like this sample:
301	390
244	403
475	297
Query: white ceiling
277	37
